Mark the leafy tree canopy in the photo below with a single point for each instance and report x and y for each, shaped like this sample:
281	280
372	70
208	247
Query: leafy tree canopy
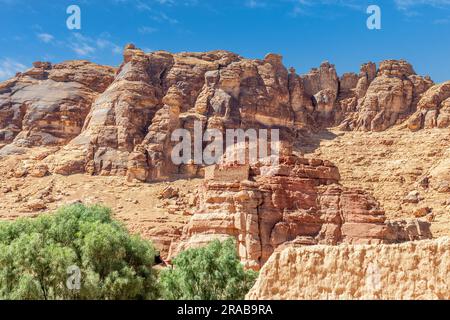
210	273
36	254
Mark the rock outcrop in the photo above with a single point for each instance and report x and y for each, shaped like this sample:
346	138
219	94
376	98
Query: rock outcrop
433	109
388	99
439	175
265	206
321	86
48	104
410	271
120	122
128	130
79	117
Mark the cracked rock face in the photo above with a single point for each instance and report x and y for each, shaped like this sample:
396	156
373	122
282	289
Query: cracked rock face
387	99
433	109
299	201
119	122
408	271
129	126
47	105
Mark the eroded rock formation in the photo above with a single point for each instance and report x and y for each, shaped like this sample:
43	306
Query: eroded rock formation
387	99
433	109
128	130
265	206
48	104
410	271
119	122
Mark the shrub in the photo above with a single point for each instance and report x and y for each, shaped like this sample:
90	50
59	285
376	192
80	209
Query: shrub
210	273
35	255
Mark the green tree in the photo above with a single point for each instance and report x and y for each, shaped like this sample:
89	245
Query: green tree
210	273
35	255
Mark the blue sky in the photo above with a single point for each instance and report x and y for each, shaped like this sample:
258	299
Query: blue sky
305	32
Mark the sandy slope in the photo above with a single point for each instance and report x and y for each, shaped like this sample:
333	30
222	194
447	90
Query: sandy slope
138	205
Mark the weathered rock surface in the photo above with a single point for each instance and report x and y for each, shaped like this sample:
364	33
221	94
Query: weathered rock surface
433	109
300	201
102	121
47	105
439	175
404	170
119	122
411	271
388	99
321	86
128	130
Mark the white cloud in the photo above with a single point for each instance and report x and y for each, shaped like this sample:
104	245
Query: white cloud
86	46
407	4
147	30
302	7
162	17
9	67
81	45
83	49
153	8
45	37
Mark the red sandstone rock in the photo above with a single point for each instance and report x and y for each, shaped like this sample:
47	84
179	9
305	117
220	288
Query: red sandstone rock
121	124
298	201
387	99
47	104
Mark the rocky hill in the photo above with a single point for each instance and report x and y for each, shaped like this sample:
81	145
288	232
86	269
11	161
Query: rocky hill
77	131
118	122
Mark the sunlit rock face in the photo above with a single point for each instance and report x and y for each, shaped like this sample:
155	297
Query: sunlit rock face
408	271
120	122
300	201
387	99
106	121
48	104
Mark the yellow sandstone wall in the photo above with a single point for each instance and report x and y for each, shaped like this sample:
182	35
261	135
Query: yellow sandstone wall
414	270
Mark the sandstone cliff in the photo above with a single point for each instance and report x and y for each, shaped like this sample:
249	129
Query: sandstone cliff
433	109
48	104
78	117
118	122
264	207
388	99
415	270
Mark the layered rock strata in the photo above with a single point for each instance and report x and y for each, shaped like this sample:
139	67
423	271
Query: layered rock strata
386	99
120	122
433	109
47	105
265	206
